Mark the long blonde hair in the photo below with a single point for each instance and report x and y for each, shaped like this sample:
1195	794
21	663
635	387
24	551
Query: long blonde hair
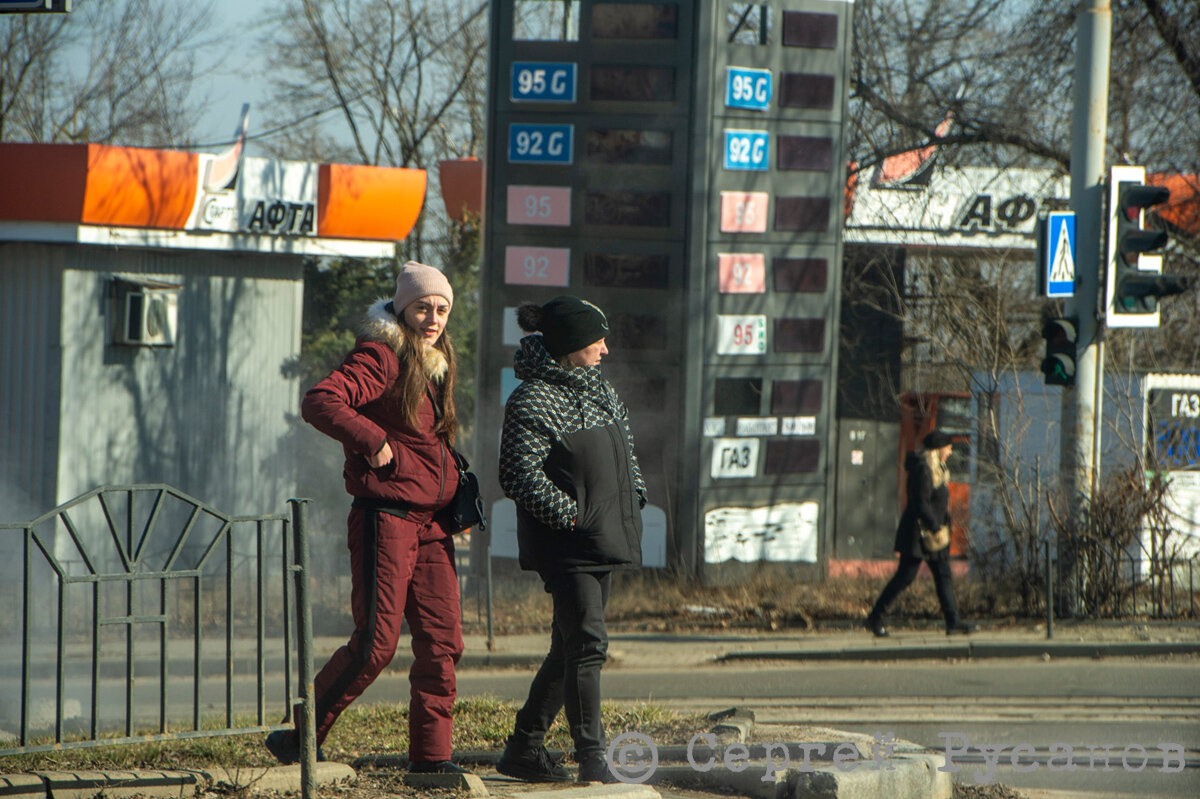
417	371
937	468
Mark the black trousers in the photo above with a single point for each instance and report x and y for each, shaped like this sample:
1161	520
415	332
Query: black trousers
906	572
569	677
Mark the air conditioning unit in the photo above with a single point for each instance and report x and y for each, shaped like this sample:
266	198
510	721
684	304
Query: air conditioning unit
149	317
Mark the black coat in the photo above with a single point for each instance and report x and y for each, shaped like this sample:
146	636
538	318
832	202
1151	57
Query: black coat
567	461
927	506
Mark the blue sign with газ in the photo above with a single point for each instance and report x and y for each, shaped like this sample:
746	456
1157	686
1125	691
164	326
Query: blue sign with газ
543	81
748	88
746	150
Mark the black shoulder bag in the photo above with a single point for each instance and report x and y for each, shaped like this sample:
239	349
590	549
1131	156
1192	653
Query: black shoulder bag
466	508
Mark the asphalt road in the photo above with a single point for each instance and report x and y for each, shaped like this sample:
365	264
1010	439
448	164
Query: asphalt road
1129	705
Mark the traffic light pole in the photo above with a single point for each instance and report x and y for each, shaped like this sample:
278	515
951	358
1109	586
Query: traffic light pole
1081	405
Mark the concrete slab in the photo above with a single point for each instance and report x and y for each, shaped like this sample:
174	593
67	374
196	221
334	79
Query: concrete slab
591	791
88	784
29	786
471	784
276	778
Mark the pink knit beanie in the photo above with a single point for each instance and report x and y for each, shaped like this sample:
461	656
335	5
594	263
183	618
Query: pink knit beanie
418	280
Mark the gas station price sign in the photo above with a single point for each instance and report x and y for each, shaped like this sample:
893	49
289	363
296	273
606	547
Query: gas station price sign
533	143
748	88
543	82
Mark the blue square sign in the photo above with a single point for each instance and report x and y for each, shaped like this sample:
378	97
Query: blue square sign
1059	248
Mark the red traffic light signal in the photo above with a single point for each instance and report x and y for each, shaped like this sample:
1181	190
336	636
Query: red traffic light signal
1135	279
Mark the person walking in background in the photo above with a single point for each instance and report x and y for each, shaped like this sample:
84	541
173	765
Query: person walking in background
927	509
567	461
391	405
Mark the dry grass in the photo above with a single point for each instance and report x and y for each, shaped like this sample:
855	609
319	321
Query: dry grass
654	602
480	724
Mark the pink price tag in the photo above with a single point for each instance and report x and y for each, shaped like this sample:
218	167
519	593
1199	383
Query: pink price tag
536	266
744	211
539	205
741	273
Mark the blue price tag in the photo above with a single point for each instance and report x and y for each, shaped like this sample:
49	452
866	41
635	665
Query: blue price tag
748	88
544	82
540	144
747	150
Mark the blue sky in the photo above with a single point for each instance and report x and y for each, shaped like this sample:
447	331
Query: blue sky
240	78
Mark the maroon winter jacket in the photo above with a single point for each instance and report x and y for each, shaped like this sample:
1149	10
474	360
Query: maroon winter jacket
348	405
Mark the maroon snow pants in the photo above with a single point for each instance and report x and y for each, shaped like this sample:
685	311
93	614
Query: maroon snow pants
401	568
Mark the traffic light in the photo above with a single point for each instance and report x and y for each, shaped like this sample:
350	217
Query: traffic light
1135	278
1059	364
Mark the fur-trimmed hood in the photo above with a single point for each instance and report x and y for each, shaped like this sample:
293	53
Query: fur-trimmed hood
383	326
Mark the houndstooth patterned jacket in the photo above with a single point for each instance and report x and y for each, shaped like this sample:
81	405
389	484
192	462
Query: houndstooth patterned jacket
551	408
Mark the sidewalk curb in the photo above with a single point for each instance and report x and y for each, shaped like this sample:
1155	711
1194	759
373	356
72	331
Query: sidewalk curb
84	784
976	650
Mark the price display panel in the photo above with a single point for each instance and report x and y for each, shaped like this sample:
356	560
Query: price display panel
748	89
741	273
744	212
635	21
805	153
544	82
626	270
537	266
535	143
747	150
799	335
741	335
632	84
629	331
539	205
734	457
797	396
792	456
627	208
628	146
800	275
737	396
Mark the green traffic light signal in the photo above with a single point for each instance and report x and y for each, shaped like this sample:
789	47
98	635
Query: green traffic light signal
1061	337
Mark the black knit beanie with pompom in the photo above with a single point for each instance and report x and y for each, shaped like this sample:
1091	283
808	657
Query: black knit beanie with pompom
567	323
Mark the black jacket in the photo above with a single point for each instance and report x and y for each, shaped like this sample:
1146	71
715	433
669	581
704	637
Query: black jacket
566	460
928	504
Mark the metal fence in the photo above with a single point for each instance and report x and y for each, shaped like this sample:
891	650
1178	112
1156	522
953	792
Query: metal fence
147	615
1117	585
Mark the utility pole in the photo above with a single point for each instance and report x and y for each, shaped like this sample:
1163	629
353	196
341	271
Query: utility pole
1089	122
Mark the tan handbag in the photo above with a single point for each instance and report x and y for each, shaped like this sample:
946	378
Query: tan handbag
935	540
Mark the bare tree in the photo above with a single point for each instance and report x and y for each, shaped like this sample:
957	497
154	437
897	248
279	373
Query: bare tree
384	82
109	72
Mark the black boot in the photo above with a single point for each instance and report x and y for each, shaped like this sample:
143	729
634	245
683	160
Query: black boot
961	628
531	764
875	625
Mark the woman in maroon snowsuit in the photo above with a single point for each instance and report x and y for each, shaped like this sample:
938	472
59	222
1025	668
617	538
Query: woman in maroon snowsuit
391	406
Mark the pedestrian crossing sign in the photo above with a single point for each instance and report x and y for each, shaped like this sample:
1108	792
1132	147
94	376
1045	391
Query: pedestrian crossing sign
1058	260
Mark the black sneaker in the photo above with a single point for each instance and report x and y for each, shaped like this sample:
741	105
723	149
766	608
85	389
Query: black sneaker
435	767
595	769
961	628
285	746
531	764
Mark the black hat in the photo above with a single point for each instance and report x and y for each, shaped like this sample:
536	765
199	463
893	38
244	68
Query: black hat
936	440
567	323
